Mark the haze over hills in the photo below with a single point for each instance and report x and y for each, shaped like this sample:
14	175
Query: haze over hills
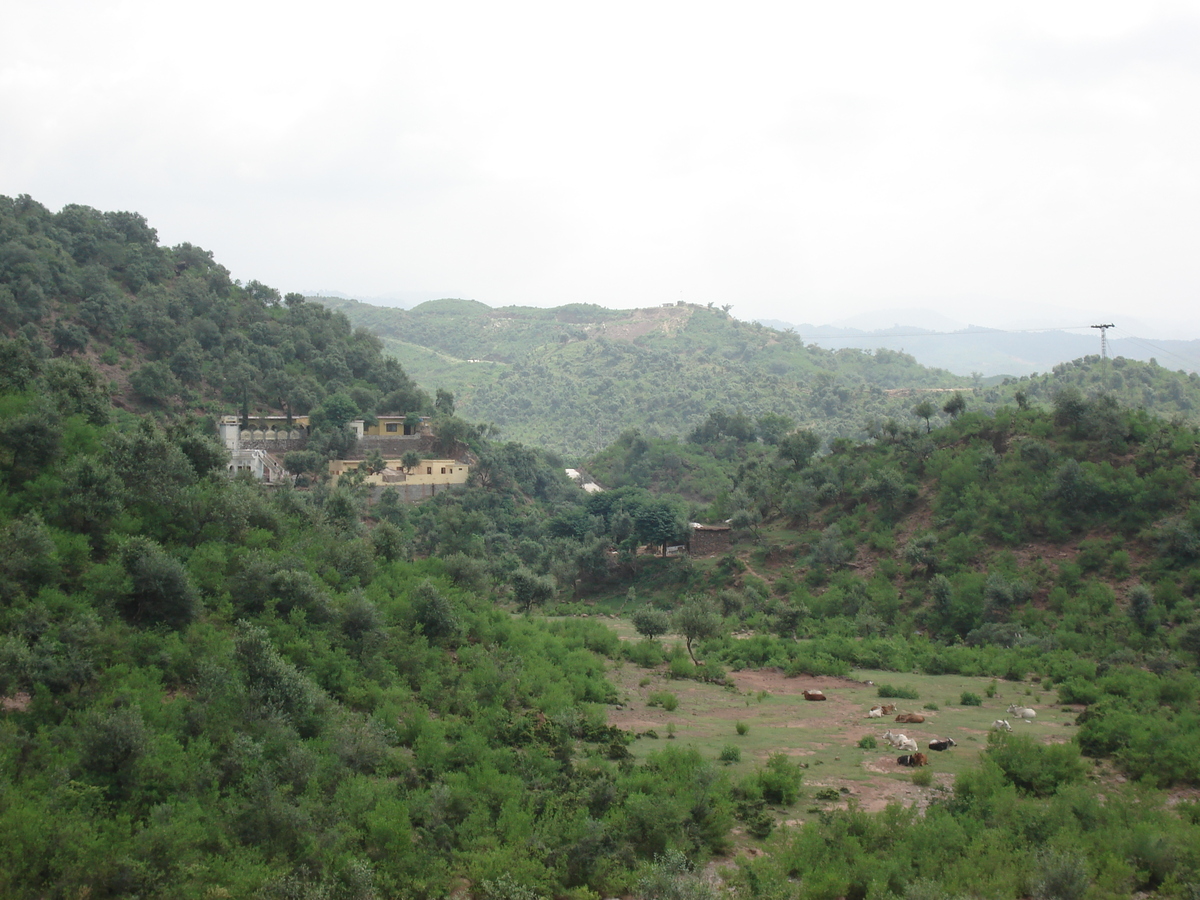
966	349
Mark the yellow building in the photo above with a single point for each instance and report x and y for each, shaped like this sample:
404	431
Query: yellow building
430	471
396	426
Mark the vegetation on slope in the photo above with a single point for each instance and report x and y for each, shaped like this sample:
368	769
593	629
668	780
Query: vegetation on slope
171	330
212	688
572	379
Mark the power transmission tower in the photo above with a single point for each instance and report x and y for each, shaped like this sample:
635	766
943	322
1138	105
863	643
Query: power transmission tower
1104	338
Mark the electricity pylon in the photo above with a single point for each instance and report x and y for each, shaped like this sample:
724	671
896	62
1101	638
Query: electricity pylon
1104	338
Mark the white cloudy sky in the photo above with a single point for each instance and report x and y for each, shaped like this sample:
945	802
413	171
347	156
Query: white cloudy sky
1011	164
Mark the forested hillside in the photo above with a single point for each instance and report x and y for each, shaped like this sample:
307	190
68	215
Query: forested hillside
170	330
571	379
214	688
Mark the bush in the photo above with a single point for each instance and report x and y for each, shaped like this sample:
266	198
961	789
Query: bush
969	699
891	691
665	699
1035	768
868	742
742	728
922	778
780	780
730	754
646	654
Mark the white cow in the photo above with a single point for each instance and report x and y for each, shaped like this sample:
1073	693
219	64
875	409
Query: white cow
1022	712
876	712
901	742
1001	725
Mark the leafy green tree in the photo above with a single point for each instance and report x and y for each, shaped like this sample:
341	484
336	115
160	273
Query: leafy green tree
798	448
304	462
69	338
374	462
160	590
696	620
650	623
925	410
530	590
955	405
28	556
1143	610
444	402
437	615
410	460
773	427
155	382
334	413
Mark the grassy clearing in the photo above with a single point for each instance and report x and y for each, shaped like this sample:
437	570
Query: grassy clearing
824	736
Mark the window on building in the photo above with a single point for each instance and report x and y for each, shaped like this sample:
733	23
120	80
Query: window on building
429	470
443	470
392	426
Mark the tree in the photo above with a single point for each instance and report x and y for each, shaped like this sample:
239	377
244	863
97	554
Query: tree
410	460
657	522
696	620
955	405
924	410
650	622
374	462
336	412
155	382
799	447
302	462
747	520
530	590
773	427
444	404
160	591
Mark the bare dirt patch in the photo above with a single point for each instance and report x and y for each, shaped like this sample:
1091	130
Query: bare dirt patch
18	702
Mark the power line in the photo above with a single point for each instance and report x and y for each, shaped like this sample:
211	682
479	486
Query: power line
871	335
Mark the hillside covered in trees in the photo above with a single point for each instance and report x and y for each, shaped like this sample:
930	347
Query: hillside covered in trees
170	330
571	379
211	687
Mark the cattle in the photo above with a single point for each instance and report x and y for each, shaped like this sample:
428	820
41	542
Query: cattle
910	718
913	759
1001	725
876	712
1022	712
888	708
901	742
943	744
814	695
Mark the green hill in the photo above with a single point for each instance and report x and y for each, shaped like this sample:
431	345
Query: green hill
573	378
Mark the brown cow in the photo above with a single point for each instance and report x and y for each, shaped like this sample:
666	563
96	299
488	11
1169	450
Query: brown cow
911	718
913	759
814	695
888	709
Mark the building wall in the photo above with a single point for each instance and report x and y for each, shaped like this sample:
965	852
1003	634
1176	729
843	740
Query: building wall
429	472
705	541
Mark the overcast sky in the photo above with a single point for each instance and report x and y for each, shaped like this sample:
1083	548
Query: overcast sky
1014	164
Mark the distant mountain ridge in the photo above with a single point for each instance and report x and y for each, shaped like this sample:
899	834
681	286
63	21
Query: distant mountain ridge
992	352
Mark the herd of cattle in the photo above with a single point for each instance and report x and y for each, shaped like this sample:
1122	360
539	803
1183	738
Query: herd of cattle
913	757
